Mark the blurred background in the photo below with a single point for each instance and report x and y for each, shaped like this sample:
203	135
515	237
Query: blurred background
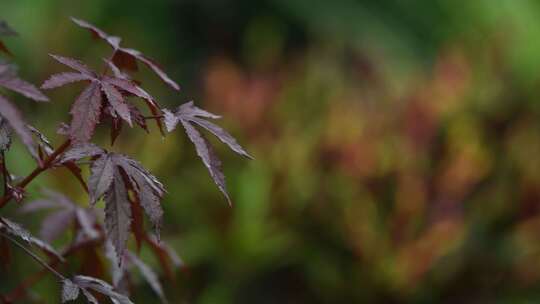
395	144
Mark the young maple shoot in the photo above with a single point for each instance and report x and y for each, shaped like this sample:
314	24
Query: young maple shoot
127	188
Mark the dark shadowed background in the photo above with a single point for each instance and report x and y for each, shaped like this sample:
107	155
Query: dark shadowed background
396	144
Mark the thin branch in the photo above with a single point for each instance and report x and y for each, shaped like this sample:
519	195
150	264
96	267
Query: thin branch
37	171
20	291
34	256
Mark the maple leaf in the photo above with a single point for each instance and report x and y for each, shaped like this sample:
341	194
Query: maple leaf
126	57
119	273
72	288
87	109
79	151
148	189
61	79
18	231
14	118
117	215
136	115
137	225
9	113
70	291
101	177
149	275
9	80
65	213
165	254
54	224
189	115
86	220
5	135
85	112
107	178
117	269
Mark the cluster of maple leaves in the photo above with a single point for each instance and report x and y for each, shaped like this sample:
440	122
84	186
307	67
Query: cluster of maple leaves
128	189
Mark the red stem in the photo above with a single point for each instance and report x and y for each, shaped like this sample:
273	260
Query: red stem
37	171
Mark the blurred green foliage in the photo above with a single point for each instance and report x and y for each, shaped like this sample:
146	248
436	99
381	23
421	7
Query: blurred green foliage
395	144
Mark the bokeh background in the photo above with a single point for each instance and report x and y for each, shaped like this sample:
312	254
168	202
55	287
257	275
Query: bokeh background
397	144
